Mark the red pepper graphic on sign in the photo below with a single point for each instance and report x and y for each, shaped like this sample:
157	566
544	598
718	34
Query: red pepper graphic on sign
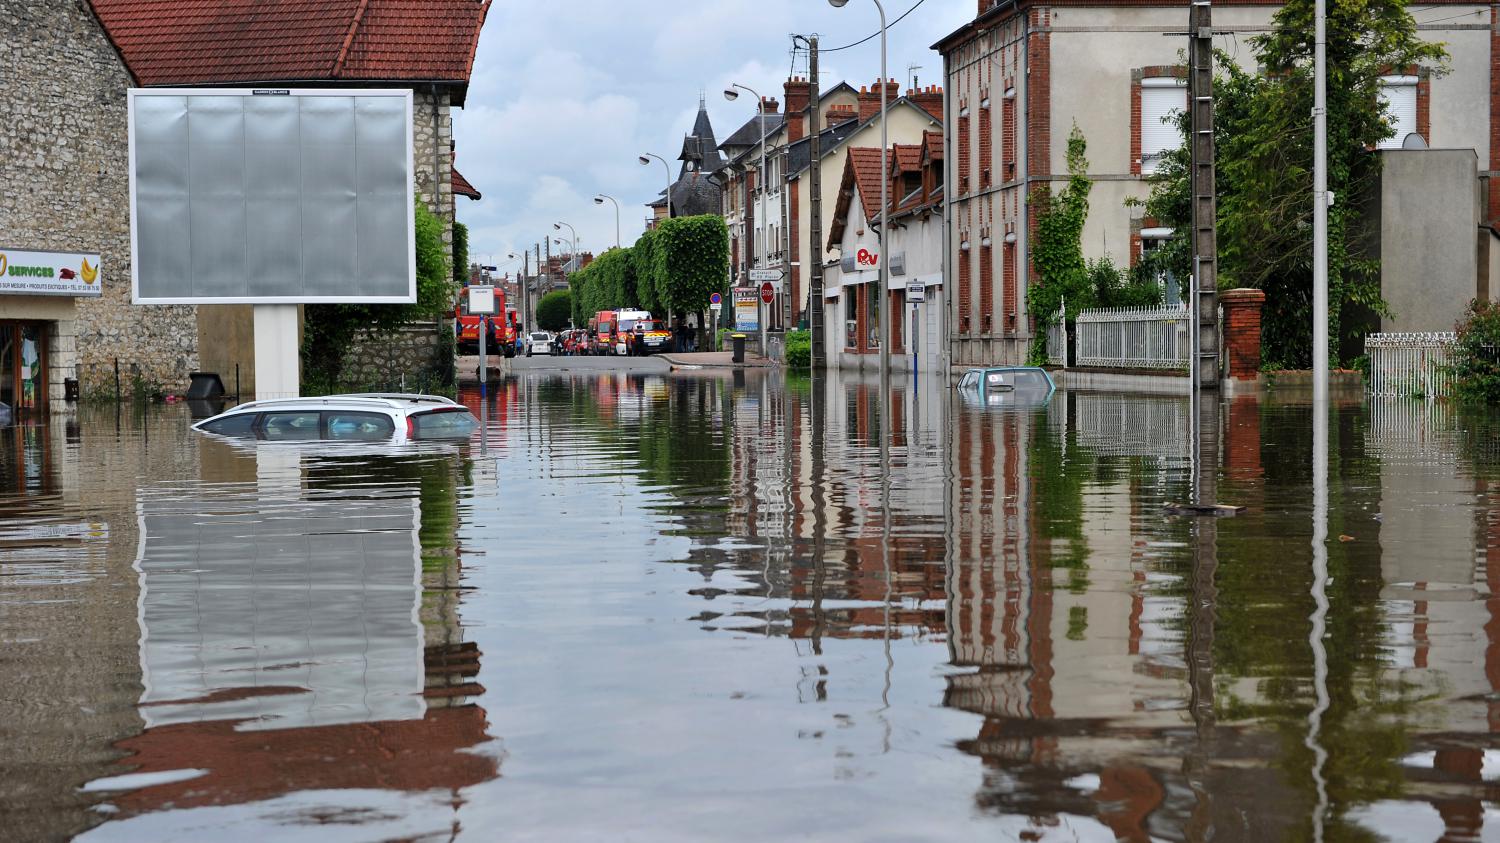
66	274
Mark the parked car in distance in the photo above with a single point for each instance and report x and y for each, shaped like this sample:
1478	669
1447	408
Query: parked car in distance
649	336
360	417
538	342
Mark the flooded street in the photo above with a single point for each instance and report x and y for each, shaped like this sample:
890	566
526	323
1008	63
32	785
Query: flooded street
694	606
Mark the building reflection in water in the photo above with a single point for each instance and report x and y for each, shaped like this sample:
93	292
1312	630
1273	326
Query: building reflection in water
304	636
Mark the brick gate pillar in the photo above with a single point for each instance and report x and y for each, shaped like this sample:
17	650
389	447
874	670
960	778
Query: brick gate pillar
1242	331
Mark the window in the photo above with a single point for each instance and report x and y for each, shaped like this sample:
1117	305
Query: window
236	425
284	426
1398	95
455	422
851	318
1162	98
359	426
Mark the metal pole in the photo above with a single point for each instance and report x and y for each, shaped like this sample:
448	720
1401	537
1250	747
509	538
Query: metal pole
484	329
883	276
814	254
603	196
1320	205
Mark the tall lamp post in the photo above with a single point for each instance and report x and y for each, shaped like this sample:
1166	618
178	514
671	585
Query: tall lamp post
760	204
646	159
883	275
599	200
558	226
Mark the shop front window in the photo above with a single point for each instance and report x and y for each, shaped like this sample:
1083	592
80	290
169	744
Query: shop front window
23	366
872	324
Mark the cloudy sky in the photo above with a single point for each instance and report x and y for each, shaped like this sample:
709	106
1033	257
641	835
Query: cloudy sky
564	97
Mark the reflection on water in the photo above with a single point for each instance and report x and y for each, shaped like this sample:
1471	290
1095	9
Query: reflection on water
703	607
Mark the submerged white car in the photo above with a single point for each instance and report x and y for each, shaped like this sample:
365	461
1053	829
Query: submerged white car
360	417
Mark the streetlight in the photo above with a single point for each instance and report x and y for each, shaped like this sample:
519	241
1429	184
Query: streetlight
646	159
599	200
882	276
760	213
557	226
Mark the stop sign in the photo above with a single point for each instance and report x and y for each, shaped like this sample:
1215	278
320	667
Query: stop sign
767	293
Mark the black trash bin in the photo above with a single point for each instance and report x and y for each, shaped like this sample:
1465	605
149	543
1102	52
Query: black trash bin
739	347
202	385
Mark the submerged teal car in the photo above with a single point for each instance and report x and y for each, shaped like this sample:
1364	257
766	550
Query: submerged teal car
1007	386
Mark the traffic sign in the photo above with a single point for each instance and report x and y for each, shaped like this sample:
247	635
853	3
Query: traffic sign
916	291
715	300
765	275
767	293
716	306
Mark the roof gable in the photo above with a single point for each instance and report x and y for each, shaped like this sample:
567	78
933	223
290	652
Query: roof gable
205	42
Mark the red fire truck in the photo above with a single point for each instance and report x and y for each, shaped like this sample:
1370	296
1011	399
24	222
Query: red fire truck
505	329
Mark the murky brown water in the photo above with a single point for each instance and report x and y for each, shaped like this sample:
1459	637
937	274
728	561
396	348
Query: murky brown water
694	608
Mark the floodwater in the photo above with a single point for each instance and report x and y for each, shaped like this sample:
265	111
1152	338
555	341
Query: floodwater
695	607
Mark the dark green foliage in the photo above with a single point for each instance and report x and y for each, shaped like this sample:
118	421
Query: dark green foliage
1263	129
1110	286
1057	249
555	310
329	329
1476	366
798	349
690	260
670	269
460	254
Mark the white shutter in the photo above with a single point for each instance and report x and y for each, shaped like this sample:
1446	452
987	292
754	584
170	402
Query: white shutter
1399	96
1160	98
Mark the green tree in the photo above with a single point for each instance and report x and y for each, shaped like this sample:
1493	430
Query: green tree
328	330
1264	167
460	254
554	310
690	260
1057	249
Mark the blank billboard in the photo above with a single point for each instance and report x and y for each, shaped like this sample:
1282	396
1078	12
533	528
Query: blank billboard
271	196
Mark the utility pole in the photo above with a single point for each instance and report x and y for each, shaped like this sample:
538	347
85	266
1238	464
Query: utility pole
546	274
815	184
521	287
1204	319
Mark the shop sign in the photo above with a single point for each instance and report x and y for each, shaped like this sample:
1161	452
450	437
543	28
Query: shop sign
49	273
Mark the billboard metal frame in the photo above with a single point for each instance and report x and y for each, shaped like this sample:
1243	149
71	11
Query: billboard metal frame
403	93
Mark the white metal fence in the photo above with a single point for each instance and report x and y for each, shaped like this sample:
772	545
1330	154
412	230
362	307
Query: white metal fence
1134	337
1410	364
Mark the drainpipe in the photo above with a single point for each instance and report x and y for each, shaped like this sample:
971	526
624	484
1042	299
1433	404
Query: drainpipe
1023	161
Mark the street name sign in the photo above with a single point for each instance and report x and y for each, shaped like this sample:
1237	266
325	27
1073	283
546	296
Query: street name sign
765	275
916	291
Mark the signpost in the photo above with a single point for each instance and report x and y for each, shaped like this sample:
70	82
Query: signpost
916	293
482	304
715	304
767	295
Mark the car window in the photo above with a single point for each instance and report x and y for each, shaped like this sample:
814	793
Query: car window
969	381
239	424
444	423
290	425
539	336
359	426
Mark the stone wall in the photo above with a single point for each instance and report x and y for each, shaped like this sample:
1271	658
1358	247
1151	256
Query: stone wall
412	353
432	142
64	186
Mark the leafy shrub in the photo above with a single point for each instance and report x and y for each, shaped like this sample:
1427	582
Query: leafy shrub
1476	366
798	349
554	310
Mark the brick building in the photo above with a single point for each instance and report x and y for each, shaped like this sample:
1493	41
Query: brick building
1021	74
64	156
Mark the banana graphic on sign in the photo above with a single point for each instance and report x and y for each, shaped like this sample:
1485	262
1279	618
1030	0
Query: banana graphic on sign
90	273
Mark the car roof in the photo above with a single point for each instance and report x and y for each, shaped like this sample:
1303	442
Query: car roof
368	400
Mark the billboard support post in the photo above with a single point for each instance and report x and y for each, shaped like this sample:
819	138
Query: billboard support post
278	371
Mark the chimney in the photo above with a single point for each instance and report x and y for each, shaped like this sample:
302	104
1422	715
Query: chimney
869	98
839	113
768	105
929	99
798	92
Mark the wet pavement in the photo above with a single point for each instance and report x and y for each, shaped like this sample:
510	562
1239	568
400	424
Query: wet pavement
692	606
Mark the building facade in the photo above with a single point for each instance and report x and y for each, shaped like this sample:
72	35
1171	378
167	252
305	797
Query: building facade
64	160
1117	74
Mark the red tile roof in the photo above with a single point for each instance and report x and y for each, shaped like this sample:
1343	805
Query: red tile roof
908	158
196	42
461	186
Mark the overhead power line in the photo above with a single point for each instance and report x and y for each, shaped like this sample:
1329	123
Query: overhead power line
876	33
